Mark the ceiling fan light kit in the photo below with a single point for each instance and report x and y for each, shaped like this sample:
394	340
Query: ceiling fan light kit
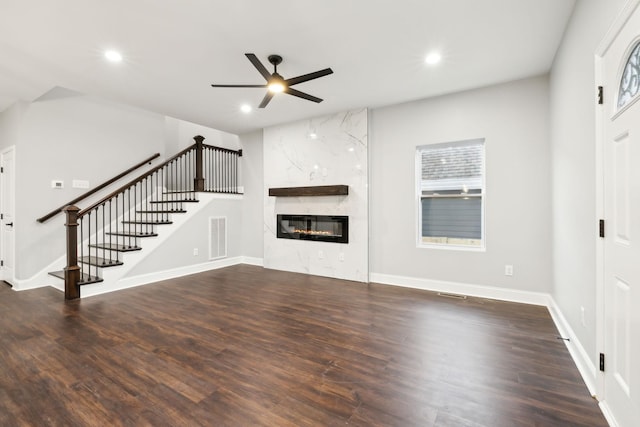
276	83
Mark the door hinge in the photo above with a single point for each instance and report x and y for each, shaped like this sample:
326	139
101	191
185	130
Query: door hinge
600	95
601	228
1	263
602	362
1	216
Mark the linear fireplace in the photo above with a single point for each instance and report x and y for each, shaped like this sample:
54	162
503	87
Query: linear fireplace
321	228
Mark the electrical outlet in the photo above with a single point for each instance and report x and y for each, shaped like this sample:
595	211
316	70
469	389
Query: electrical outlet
58	184
341	256
320	255
508	270
584	323
195	251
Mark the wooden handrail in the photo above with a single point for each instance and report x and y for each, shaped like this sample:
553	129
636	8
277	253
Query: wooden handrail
226	150
114	193
96	189
111	195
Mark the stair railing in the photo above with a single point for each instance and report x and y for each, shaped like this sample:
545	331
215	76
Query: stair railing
97	234
97	188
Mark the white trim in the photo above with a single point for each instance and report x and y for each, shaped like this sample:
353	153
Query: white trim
11	149
145	279
576	349
608	415
616	27
482	291
149	278
42	278
259	262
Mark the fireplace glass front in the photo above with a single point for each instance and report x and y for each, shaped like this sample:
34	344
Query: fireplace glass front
322	228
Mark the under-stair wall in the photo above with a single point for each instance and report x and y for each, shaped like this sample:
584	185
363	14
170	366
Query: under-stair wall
171	252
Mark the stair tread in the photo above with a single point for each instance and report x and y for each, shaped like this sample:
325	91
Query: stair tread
175	201
116	247
147	222
132	234
163	211
85	279
179	192
99	261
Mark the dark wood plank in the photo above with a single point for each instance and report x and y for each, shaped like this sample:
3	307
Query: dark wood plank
247	346
317	190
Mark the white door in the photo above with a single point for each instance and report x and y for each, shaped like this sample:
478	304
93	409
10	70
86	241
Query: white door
620	114
7	210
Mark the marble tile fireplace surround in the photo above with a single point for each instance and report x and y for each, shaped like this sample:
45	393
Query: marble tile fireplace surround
317	168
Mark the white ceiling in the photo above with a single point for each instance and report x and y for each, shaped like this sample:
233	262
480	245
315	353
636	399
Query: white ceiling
174	50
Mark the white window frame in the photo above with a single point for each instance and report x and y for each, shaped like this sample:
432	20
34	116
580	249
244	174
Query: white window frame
418	199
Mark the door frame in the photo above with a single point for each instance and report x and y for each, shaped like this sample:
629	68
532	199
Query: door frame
601	116
9	149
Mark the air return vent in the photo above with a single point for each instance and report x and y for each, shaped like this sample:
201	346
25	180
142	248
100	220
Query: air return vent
217	237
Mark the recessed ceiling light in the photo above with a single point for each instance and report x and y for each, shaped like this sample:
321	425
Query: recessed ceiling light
433	58
113	56
313	135
245	108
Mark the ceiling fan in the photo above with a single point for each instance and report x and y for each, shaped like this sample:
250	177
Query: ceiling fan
276	83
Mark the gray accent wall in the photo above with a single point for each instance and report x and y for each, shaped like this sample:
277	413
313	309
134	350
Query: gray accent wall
513	119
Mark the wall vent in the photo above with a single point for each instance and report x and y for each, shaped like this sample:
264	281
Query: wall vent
217	237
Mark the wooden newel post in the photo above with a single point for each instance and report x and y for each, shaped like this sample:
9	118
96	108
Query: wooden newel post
198	181
72	270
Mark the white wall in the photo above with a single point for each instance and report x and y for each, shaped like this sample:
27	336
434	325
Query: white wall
513	119
10	121
572	129
178	250
337	155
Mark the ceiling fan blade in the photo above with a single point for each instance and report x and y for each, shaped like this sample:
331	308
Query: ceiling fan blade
266	99
256	63
302	95
263	86
306	77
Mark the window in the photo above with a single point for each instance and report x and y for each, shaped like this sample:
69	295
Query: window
450	188
629	83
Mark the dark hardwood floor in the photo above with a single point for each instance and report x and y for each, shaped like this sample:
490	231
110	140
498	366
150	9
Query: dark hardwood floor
245	346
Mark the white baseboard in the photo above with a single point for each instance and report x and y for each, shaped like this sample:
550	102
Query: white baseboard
608	415
502	294
42	278
144	279
253	261
578	353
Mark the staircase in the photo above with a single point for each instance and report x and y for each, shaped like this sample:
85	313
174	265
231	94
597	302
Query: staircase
98	235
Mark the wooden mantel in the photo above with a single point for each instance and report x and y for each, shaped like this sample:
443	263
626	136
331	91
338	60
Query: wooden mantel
316	190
